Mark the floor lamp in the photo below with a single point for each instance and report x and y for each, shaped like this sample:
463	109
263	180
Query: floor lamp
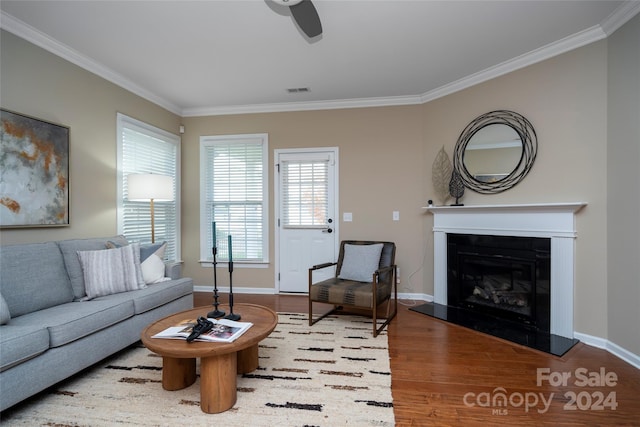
149	186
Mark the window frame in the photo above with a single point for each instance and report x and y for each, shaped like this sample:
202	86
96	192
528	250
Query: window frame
123	121
206	239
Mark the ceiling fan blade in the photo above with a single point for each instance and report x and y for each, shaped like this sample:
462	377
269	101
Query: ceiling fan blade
306	16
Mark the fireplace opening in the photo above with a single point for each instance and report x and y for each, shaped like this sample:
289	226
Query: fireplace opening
506	277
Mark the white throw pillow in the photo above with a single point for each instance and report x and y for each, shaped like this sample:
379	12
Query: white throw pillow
360	262
109	271
153	267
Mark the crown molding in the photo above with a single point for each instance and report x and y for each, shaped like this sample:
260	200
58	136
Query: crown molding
619	17
538	55
304	106
553	49
40	39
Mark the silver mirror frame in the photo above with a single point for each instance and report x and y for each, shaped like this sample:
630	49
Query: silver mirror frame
529	140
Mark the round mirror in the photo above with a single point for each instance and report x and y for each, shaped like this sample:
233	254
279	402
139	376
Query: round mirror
495	151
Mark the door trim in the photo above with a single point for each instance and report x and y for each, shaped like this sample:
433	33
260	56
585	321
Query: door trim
276	201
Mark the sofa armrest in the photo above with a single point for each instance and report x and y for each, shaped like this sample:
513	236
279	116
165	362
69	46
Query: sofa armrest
173	270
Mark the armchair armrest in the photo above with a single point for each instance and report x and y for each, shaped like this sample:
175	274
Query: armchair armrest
385	270
325	265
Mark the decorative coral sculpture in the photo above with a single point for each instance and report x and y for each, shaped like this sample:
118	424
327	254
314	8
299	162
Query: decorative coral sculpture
441	175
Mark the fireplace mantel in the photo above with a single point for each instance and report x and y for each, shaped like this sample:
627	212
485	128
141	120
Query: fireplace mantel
555	221
528	220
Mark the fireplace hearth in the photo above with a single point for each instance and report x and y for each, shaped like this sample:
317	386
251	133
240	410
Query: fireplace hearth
499	327
507	270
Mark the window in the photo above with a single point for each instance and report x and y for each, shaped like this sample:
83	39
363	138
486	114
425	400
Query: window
143	148
305	188
233	175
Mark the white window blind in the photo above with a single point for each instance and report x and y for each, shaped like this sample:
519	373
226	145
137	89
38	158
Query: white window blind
234	183
305	187
145	149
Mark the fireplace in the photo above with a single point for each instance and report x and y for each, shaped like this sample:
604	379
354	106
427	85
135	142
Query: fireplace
511	272
502	276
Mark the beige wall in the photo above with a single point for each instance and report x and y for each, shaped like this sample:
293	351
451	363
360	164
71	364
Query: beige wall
374	180
385	164
565	100
42	85
623	189
391	150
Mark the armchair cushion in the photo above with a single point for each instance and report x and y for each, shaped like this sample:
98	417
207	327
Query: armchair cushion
360	262
346	292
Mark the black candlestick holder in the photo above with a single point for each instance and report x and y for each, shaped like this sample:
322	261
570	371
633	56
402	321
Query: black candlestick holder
215	314
231	315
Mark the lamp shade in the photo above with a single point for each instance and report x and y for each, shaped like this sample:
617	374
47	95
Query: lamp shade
146	186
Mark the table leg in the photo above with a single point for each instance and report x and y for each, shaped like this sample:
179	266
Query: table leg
218	391
178	373
248	360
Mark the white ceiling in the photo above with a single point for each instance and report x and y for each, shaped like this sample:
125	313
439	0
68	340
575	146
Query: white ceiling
222	57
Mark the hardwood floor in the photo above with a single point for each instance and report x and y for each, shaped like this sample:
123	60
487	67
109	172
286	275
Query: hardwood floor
446	375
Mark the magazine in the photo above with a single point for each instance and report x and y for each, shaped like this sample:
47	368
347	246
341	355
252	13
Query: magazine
223	330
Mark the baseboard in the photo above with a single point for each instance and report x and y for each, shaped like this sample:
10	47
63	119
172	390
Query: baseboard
271	291
611	347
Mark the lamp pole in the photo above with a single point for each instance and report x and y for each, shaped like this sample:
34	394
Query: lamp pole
153	225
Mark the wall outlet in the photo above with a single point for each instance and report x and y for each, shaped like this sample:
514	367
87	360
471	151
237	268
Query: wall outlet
347	217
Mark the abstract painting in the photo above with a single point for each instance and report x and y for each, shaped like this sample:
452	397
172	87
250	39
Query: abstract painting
34	172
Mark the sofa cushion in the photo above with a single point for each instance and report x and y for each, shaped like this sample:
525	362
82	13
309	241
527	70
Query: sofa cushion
5	314
33	277
72	321
21	343
109	271
70	250
360	262
153	296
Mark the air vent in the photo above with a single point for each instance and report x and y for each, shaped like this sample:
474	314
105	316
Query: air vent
298	89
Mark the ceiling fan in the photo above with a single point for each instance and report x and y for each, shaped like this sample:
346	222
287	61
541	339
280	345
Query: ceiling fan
305	15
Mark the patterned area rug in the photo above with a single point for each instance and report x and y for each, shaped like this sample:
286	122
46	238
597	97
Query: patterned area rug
334	373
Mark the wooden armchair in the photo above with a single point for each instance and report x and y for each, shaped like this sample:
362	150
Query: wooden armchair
365	278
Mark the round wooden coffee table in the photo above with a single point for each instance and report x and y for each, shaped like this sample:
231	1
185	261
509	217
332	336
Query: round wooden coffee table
219	362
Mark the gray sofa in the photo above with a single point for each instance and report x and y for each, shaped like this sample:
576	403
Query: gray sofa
50	331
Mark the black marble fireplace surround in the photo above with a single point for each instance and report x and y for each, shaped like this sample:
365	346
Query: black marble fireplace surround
500	285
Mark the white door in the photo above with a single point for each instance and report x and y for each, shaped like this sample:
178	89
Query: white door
307	232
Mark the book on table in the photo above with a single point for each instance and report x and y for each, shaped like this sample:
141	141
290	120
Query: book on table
224	330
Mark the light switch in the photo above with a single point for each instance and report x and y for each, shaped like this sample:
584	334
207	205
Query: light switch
347	217
396	215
